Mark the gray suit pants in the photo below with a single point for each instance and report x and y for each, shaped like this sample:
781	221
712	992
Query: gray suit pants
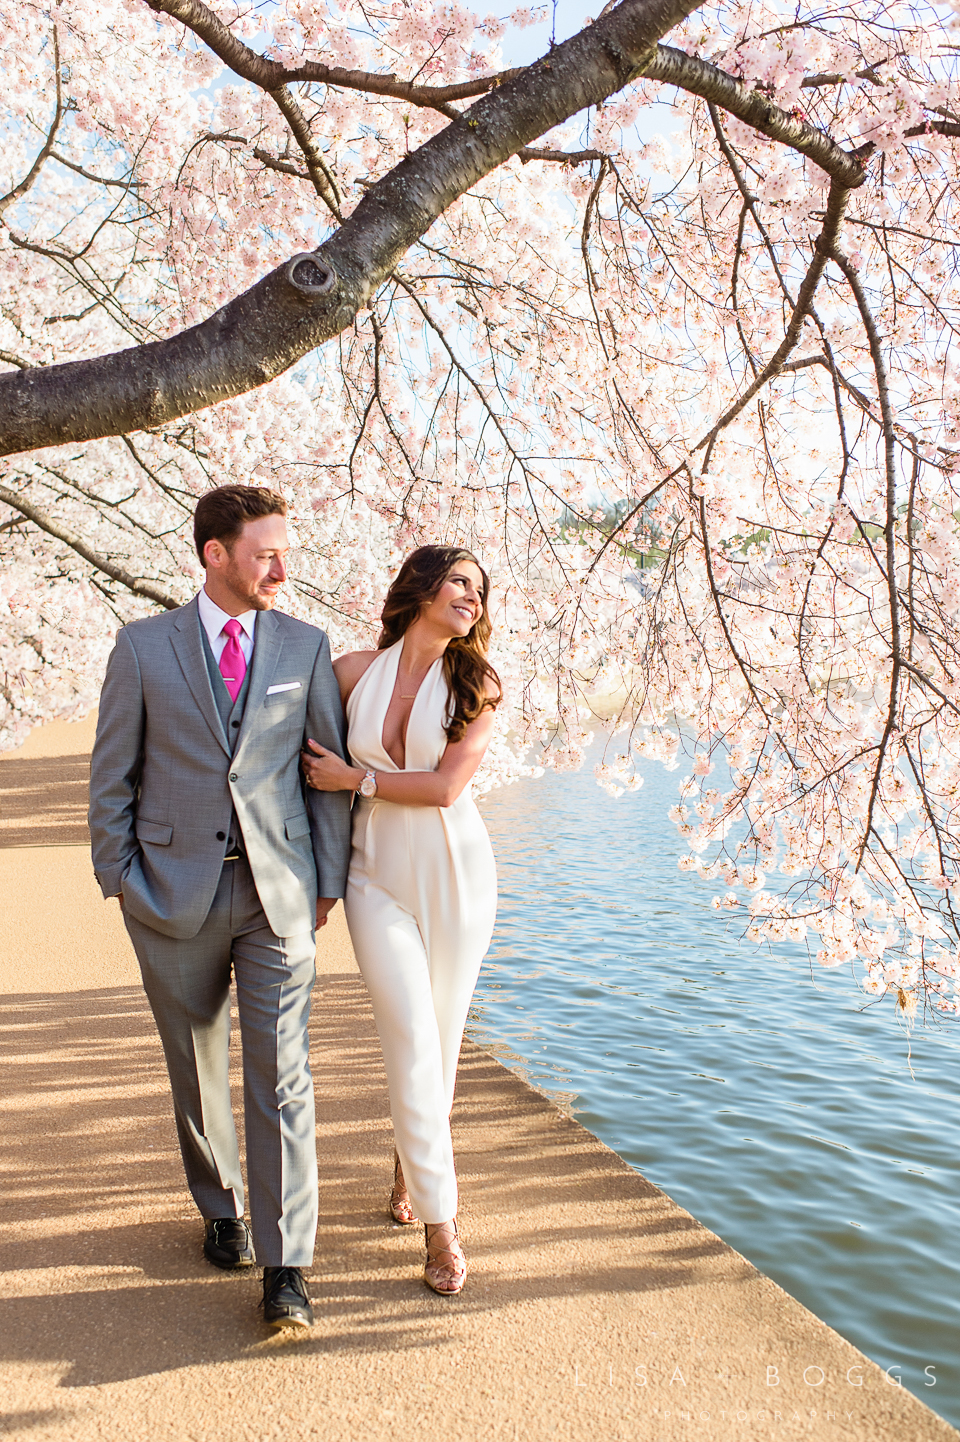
188	986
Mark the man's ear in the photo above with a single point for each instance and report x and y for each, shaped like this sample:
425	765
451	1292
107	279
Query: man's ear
214	554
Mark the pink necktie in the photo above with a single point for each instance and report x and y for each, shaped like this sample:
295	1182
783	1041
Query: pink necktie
233	666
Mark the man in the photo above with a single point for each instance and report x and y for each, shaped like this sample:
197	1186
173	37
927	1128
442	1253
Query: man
222	861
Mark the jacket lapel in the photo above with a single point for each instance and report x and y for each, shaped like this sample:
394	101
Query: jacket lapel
189	652
268	644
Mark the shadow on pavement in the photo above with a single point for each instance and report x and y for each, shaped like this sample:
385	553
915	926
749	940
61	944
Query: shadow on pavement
43	800
101	1245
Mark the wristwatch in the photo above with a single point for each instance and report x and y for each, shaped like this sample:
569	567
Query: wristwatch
368	786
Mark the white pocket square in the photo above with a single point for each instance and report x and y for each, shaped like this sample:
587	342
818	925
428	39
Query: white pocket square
284	686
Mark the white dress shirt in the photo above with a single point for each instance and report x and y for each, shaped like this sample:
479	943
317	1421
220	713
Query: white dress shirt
213	621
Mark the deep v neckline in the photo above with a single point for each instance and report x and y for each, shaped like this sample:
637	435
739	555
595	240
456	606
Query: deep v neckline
367	706
416	697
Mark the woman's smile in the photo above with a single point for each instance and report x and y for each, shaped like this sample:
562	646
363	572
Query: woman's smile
458	604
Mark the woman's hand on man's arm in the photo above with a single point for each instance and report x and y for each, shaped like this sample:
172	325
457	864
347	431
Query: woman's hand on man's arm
325	771
458	765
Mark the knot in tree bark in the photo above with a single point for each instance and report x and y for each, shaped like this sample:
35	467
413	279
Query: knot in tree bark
309	275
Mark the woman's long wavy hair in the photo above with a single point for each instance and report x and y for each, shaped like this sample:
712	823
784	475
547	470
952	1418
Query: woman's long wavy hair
465	663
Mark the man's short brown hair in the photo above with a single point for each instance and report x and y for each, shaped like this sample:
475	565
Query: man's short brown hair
222	514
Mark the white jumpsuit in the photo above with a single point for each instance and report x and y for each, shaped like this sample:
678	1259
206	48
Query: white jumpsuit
421	901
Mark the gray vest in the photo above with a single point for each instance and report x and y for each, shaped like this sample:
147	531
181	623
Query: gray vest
231	714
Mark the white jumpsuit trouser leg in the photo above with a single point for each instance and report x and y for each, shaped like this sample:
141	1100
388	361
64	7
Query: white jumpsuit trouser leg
421	994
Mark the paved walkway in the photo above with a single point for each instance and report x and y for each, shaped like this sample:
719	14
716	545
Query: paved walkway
596	1309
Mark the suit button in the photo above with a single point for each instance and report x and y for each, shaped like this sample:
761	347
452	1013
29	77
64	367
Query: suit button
221	836
233	776
234	723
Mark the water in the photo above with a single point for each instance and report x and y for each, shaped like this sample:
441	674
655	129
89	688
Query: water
795	1120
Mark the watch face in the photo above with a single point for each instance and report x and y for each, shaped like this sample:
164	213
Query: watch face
368	786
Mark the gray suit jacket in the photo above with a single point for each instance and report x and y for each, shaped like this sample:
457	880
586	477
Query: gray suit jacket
164	785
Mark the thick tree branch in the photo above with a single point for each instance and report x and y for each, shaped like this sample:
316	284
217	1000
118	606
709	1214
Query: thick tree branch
674	67
933	127
561	157
312	298
271	75
816	82
285	167
59	532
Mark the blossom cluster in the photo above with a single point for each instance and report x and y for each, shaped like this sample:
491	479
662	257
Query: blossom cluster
554	377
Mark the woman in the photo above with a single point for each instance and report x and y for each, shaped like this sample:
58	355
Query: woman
422	890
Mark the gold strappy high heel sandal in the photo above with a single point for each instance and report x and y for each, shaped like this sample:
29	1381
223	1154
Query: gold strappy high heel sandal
446	1267
401	1209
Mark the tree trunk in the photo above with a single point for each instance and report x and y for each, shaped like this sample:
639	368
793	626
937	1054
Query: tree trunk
312	298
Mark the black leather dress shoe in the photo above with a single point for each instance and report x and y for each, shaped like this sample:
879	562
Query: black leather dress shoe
227	1243
285	1301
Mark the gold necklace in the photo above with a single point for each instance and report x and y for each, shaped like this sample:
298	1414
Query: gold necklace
413	697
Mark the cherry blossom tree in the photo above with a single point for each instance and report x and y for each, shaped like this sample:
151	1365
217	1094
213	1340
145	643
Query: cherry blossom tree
693	397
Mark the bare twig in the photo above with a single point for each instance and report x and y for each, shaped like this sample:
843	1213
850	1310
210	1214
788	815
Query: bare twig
45	522
14	360
823	247
31	175
320	174
128	184
886	412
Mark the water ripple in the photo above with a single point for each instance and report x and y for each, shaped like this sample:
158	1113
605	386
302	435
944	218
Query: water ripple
797	1122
